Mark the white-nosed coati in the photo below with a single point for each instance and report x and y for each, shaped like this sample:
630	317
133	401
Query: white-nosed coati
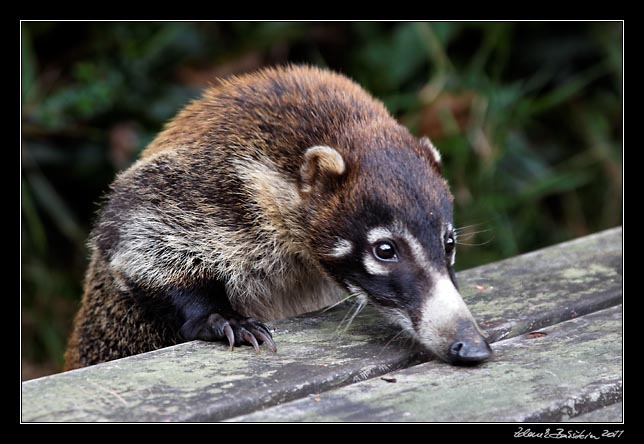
273	195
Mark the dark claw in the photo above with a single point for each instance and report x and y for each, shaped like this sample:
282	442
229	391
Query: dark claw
231	328
248	337
265	328
266	339
228	331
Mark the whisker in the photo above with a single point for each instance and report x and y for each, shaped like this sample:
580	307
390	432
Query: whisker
467	244
464	227
339	329
361	304
472	233
392	339
460	233
351	295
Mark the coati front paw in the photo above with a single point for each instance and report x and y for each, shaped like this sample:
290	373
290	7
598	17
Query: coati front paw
237	330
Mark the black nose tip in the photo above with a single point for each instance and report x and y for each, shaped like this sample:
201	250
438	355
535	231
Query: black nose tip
463	352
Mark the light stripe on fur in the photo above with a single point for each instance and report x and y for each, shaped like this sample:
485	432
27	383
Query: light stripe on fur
267	274
373	266
379	233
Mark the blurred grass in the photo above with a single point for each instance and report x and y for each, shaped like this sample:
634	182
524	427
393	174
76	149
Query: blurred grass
528	117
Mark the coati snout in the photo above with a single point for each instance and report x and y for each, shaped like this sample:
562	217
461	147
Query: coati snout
274	194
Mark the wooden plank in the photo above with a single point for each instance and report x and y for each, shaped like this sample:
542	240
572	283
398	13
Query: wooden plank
200	381
575	368
547	286
610	413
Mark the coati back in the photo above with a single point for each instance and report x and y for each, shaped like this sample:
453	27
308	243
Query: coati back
274	194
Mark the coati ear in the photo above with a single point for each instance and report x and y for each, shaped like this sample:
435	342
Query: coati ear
426	143
320	163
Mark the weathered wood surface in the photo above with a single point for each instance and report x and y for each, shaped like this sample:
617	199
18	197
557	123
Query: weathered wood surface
610	413
574	369
204	382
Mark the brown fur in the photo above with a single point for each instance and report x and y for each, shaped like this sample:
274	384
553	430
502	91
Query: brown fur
226	192
117	328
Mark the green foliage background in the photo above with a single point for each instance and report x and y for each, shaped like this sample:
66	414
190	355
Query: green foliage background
528	118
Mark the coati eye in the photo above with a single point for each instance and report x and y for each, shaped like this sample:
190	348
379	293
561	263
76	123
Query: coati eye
449	244
385	251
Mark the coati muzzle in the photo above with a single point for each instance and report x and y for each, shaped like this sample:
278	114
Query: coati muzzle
448	329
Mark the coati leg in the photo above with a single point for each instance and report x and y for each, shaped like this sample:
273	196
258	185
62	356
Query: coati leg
207	315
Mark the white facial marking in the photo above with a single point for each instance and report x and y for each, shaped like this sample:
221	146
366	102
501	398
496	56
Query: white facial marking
447	298
341	248
378	233
373	266
440	314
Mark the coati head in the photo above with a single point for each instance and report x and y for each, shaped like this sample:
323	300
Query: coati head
381	218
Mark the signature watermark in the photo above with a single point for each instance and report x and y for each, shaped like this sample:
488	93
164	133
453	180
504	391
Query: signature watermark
562	433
